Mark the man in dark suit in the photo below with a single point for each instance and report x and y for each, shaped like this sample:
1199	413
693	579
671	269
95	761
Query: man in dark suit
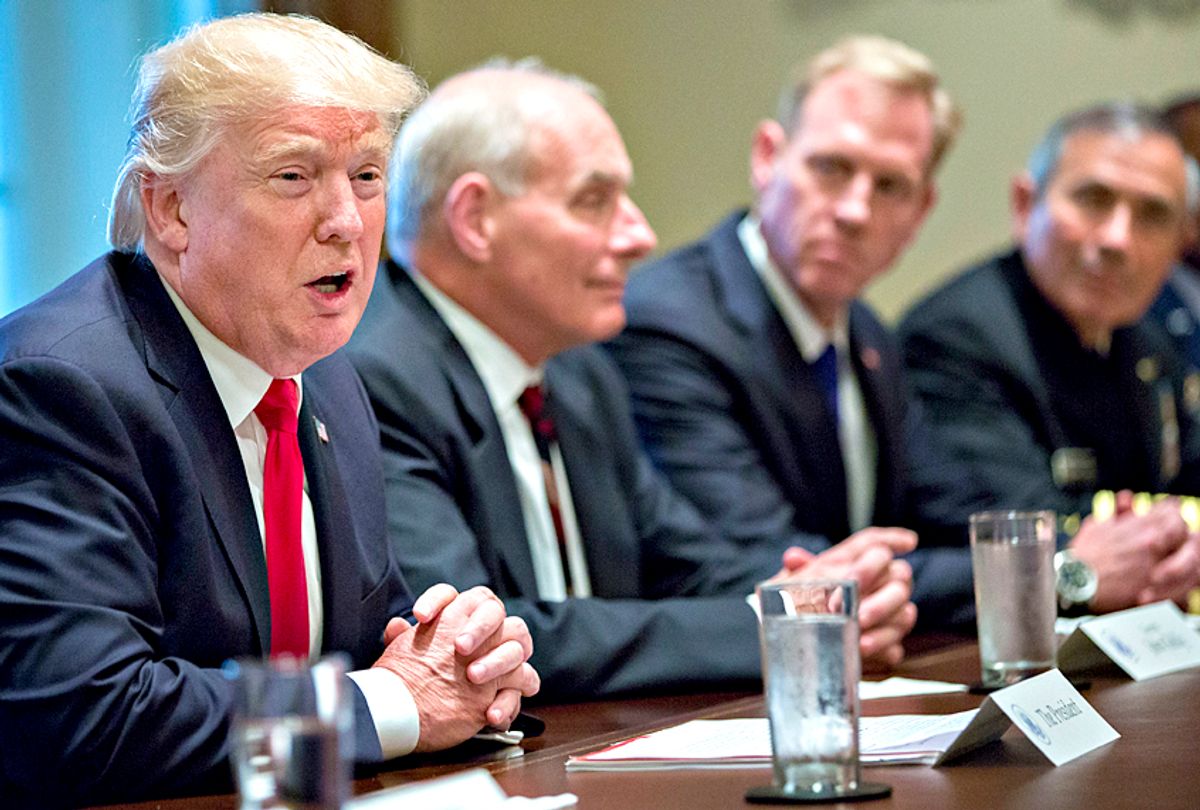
513	229
1177	307
764	389
1038	369
156	518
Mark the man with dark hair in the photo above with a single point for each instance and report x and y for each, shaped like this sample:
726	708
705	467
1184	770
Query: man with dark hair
1038	369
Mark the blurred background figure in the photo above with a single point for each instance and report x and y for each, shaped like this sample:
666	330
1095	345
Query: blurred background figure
1038	369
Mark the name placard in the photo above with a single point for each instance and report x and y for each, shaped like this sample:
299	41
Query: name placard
1048	710
1145	642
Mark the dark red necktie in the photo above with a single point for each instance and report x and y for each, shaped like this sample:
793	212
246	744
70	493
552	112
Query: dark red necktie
283	488
533	404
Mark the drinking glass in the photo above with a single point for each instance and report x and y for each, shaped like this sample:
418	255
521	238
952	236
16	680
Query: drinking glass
292	733
811	669
1015	605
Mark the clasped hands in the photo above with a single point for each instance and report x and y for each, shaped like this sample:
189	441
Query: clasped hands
1139	557
886	613
465	663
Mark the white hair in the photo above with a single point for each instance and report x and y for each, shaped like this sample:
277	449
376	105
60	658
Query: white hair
236	69
487	127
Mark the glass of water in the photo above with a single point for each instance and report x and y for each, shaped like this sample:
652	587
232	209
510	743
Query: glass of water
811	669
291	744
1012	554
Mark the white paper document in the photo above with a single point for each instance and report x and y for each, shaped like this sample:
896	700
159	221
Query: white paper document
897	686
1046	708
746	742
469	790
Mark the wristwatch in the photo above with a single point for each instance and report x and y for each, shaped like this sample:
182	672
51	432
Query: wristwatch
1076	583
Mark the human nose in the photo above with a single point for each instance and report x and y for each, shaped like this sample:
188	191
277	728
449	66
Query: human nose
853	206
632	235
1116	229
339	215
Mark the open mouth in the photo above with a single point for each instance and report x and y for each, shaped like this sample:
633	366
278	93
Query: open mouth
331	284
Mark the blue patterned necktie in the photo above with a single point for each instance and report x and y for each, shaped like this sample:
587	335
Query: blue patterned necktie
825	367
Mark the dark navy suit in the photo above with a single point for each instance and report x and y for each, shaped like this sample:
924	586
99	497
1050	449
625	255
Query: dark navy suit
453	505
131	564
730	411
1171	310
1010	390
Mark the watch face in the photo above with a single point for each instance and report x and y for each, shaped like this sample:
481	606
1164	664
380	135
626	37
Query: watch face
1076	581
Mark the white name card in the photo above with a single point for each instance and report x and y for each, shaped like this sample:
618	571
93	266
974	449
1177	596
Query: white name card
1145	642
469	790
1048	710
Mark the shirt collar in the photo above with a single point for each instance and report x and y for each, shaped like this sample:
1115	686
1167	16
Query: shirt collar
811	338
504	374
240	382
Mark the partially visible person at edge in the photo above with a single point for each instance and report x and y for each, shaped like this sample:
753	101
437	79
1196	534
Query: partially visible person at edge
1177	307
1039	369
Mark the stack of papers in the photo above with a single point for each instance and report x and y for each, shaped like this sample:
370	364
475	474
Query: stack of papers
892	740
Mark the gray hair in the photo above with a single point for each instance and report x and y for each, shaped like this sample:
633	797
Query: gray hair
487	128
1123	119
885	60
192	90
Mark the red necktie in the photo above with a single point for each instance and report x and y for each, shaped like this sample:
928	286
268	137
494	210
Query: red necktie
283	487
533	404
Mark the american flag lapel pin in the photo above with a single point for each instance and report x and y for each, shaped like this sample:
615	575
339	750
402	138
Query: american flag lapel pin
322	433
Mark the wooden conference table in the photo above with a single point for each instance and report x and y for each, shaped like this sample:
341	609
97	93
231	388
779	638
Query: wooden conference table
1156	763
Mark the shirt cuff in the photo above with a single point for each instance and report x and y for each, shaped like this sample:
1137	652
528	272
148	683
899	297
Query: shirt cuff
393	710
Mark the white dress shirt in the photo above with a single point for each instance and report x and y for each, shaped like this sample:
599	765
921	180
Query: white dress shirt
855	434
241	384
505	376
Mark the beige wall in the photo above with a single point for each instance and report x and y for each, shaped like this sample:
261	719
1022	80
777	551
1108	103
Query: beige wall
686	80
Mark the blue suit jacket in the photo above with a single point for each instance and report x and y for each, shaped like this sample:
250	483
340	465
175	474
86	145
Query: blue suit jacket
1172	312
453	506
730	411
131	564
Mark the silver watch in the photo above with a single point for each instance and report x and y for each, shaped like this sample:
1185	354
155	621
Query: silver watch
1075	581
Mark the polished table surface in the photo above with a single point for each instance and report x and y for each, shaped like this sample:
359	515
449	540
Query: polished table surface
1154	764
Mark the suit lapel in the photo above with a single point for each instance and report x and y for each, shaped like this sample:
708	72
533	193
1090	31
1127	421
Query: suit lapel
883	401
496	487
174	362
770	350
614	566
331	514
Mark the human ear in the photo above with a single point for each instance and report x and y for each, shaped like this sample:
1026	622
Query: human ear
768	142
166	213
1022	198
468	215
